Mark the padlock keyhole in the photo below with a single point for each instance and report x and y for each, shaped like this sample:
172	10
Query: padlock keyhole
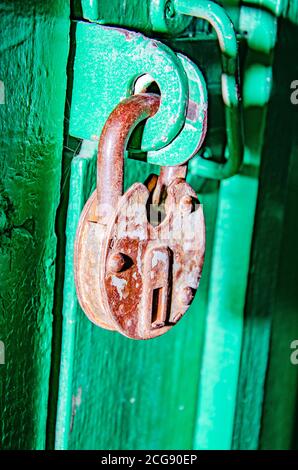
158	315
158	288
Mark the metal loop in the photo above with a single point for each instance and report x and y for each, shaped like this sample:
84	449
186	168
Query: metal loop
113	141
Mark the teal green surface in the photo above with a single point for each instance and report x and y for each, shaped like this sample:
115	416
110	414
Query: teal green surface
103	53
146	16
31	126
225	310
269	417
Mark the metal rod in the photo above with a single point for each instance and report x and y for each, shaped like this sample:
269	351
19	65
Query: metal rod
112	145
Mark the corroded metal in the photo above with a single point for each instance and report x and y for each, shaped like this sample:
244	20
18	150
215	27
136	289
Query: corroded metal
132	275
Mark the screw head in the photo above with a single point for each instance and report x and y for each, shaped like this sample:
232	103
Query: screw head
116	262
186	295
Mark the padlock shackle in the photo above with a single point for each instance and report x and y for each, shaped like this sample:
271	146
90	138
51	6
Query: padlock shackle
112	146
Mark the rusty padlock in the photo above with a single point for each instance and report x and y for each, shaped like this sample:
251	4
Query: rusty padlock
131	275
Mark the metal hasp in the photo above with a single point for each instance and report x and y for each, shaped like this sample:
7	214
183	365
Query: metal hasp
224	28
193	132
107	78
180	123
181	120
131	275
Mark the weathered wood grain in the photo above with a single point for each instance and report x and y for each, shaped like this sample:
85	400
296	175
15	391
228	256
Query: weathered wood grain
33	48
267	400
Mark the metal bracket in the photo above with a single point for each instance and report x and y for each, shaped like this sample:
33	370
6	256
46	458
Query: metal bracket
107	65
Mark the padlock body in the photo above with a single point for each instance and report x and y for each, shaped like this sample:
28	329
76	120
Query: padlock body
160	266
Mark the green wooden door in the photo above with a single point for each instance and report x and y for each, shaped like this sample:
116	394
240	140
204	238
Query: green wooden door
34	48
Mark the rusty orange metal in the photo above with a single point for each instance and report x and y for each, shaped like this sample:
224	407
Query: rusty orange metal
138	255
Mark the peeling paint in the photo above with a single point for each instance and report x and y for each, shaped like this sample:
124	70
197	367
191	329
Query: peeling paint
119	284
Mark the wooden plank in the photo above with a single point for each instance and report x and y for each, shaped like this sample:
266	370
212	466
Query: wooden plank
279	421
269	329
219	385
34	48
223	338
280	400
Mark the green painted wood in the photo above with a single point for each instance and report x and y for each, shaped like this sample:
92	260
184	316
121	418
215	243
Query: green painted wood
132	15
223	376
81	185
279	421
117	393
223	337
268	381
33	55
209	423
218	388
